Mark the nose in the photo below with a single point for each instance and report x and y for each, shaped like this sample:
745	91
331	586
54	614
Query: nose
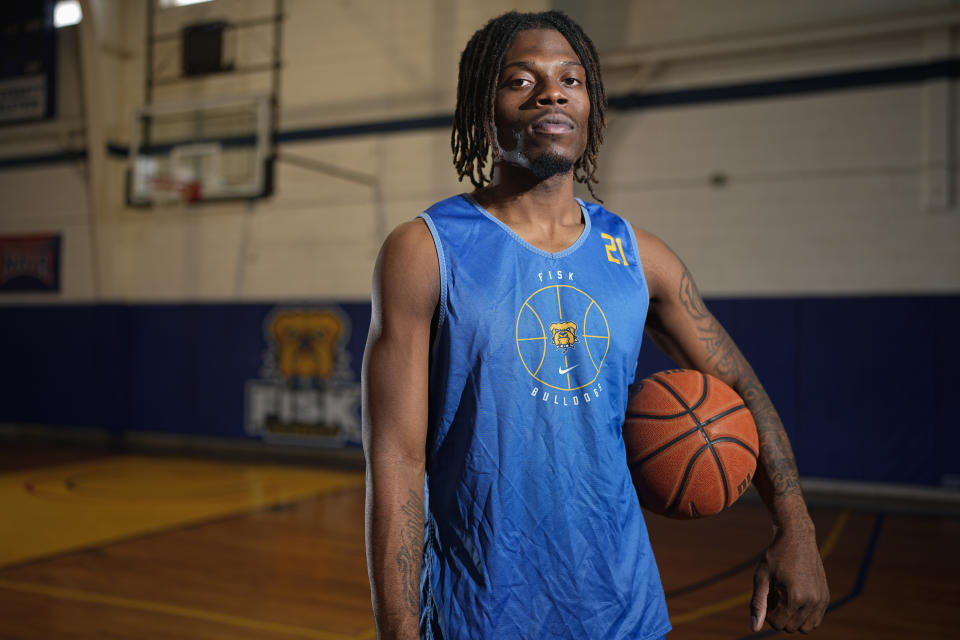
551	92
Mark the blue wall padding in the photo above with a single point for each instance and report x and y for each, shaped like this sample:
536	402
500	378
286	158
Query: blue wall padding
861	383
169	368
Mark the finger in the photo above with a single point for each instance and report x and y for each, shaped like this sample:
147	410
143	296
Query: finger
778	613
815	618
758	604
796	619
823	606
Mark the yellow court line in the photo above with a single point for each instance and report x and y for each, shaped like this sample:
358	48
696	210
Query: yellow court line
174	610
743	598
834	536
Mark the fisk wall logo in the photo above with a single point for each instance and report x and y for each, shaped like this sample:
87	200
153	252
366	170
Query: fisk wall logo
307	392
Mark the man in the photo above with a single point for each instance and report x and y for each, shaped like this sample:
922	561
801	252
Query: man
505	332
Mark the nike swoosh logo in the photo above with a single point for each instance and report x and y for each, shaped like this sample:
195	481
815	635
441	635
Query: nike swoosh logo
563	371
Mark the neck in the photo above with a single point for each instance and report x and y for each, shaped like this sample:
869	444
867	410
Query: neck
516	195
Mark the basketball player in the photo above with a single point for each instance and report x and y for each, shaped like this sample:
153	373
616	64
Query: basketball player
505	333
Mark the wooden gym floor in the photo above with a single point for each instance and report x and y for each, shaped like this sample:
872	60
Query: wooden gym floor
118	546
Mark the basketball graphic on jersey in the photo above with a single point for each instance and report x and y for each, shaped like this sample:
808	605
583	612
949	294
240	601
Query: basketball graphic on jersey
562	337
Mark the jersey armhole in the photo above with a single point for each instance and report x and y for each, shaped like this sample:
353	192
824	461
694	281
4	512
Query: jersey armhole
636	254
442	262
636	245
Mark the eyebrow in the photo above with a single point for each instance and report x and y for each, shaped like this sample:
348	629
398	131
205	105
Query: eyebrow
529	65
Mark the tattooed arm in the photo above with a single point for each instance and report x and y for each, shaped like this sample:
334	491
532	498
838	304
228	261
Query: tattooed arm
790	588
395	373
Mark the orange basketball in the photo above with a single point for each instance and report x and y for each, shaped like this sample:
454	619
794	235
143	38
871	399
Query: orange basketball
691	444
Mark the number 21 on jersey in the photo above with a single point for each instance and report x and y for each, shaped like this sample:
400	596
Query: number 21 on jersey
614	245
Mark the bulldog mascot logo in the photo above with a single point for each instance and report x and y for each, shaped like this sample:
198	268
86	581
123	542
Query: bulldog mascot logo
564	335
307	392
305	343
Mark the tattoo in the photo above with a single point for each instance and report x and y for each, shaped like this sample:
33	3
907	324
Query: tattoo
726	362
775	452
410	555
721	351
690	297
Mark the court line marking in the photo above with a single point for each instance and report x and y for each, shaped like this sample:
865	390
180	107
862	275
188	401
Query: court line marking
825	550
715	578
174	610
834	535
338	481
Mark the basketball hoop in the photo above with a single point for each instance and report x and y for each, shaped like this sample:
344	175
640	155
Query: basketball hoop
199	152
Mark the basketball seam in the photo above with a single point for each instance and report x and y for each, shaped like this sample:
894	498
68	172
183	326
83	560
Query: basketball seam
723	474
738	442
679	398
703	396
699	426
666	446
683	481
652	416
716	458
648	416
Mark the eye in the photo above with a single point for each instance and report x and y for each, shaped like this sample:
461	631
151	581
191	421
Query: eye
572	81
519	82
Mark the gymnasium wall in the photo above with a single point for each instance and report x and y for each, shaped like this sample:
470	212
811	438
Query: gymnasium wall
800	157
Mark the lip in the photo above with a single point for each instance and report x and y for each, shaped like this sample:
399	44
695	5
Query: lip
553	124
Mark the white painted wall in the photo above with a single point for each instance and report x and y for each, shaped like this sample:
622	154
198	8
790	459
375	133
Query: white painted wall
824	192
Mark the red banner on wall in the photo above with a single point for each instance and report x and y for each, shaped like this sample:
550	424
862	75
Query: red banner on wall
30	262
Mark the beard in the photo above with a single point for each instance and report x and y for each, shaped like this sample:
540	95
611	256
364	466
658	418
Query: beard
550	164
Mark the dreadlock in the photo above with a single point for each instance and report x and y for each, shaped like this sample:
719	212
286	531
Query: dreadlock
473	129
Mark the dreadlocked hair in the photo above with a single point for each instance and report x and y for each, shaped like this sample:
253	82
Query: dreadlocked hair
480	63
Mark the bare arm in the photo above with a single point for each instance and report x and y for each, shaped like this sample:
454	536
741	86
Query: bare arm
791	577
406	288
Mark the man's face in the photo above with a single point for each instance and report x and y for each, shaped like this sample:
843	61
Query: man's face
542	105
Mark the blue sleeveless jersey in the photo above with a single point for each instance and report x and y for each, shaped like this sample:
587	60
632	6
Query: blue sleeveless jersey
533	525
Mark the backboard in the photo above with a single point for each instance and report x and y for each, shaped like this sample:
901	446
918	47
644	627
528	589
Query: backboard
211	150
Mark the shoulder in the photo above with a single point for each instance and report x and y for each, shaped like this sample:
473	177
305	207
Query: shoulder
662	267
410	242
407	270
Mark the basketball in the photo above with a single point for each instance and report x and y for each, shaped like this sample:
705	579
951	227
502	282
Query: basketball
691	444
